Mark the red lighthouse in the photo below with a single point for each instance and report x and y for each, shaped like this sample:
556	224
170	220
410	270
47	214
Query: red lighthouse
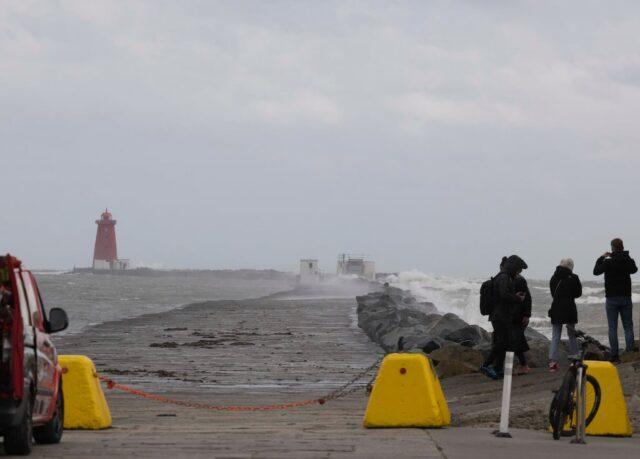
105	253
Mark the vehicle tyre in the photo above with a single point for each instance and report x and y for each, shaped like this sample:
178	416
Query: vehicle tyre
563	408
19	440
592	391
595	386
553	412
556	414
51	432
562	405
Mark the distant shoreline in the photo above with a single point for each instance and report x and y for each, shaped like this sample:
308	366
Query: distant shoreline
228	273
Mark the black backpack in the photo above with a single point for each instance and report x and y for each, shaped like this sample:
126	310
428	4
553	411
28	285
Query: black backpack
486	297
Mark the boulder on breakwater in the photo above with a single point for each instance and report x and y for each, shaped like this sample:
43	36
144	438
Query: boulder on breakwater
397	321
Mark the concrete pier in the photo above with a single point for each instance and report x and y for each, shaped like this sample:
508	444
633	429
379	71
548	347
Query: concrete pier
280	350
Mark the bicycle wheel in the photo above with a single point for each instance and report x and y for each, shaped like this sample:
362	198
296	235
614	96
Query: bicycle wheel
562	405
593	396
593	393
554	414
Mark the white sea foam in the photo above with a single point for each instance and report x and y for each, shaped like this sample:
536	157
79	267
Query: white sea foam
534	321
459	296
590	300
146	264
586	291
48	272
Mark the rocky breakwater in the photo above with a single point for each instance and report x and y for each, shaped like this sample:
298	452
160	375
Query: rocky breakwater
396	321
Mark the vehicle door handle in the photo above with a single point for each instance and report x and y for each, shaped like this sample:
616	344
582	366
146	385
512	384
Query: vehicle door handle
46	344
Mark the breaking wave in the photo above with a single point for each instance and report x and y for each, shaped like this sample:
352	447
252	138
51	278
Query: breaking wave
462	297
591	299
458	296
49	272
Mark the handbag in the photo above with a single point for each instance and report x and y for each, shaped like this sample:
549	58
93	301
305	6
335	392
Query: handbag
554	297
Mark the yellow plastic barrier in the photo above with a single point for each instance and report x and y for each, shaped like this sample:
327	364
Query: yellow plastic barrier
407	393
84	404
611	418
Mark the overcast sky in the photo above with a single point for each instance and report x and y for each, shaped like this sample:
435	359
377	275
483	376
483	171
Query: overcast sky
429	135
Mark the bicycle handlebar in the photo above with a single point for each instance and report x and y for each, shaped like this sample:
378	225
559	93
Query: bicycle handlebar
586	340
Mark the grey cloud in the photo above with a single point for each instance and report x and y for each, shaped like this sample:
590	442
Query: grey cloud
434	135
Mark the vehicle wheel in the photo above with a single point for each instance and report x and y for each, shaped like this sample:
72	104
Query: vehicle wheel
18	440
562	405
51	432
593	390
555	415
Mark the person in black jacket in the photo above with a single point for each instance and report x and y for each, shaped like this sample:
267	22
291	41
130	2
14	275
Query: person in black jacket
520	315
617	267
565	287
506	300
497	341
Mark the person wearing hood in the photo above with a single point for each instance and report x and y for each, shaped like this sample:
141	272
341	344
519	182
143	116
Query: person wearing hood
565	287
506	301
488	368
519	321
617	267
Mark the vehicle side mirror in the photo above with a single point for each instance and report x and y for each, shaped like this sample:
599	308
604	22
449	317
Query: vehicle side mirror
58	320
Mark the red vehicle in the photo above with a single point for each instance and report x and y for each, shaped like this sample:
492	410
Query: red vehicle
31	401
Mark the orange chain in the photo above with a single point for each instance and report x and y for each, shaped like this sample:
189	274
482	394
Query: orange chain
111	384
340	392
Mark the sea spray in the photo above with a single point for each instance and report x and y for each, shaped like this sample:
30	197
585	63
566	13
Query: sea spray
459	296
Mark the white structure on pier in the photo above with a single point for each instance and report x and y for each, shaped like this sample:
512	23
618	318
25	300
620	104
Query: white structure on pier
309	271
357	265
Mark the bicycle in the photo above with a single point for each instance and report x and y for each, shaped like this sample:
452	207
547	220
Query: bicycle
562	413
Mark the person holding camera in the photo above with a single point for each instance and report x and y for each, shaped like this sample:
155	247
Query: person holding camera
617	267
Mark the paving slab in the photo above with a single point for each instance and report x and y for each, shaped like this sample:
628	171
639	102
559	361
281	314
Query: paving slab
479	443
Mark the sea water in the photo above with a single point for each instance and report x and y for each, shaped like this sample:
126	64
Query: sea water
91	299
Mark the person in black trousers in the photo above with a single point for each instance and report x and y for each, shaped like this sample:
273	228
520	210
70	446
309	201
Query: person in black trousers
507	301
520	315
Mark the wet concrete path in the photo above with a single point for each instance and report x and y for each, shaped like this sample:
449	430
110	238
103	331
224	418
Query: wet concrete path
262	352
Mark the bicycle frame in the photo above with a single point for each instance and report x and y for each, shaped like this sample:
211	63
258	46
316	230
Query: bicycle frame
581	402
570	401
